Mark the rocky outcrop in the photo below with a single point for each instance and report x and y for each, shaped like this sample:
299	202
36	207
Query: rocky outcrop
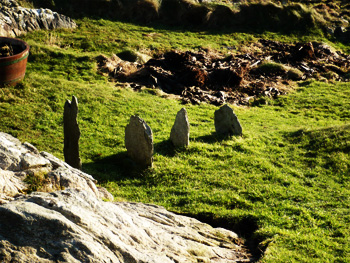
20	162
75	225
16	20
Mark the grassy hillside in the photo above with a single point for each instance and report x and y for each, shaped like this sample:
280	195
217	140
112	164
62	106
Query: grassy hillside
284	185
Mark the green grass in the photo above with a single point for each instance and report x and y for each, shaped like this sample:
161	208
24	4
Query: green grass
284	184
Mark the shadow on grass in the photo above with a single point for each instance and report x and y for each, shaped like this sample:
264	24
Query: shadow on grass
331	145
114	168
213	138
165	148
327	140
120	166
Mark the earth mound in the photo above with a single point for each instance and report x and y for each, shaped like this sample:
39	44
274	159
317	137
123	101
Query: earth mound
263	69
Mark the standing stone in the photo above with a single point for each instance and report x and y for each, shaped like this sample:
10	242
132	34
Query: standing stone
71	133
139	141
180	132
226	122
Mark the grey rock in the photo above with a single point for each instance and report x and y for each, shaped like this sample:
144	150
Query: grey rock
226	122
74	226
57	163
30	161
16	156
104	194
71	133
31	147
139	141
10	185
18	160
180	132
16	20
62	178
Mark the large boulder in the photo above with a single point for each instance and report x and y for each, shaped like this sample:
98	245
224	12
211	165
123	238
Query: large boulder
20	161
74	226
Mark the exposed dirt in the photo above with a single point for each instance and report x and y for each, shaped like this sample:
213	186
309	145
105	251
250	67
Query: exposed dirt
263	69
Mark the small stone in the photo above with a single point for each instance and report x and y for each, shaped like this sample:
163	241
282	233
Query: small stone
226	122
139	141
180	132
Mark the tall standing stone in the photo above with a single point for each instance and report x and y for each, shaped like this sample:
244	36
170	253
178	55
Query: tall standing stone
180	132
139	141
71	133
226	122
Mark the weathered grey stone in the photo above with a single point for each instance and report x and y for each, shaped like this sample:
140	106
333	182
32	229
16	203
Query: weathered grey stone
180	132
62	178
31	147
71	133
16	156
139	141
226	122
10	152
16	20
57	163
104	194
10	185
74	226
30	161
18	160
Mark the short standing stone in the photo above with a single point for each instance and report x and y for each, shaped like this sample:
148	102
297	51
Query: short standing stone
139	141
180	132
226	122
71	133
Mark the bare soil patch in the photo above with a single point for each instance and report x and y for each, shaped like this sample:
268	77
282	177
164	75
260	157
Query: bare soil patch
263	69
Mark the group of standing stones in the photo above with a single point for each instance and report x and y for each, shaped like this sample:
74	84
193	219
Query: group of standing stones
139	136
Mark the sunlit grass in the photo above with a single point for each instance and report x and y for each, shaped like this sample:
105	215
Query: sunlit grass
284	183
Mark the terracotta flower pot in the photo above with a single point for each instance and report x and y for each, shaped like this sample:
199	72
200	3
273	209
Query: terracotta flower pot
13	67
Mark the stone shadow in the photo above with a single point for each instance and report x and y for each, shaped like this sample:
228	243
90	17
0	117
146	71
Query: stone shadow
213	138
116	167
165	148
